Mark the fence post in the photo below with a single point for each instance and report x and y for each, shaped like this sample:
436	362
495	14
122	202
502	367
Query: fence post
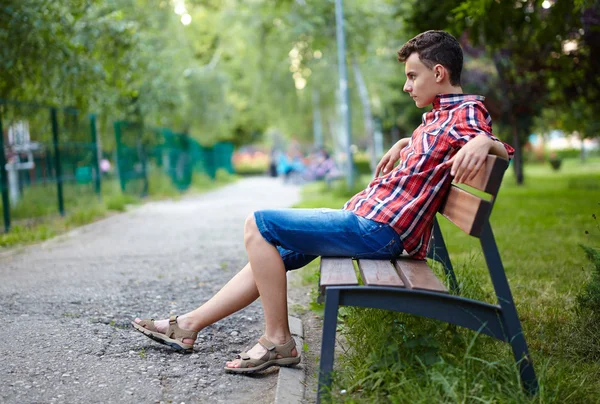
57	166
4	181
142	155
95	153
117	126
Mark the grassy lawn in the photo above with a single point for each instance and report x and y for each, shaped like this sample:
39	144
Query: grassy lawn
539	228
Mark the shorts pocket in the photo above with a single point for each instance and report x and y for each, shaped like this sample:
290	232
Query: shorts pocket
368	228
379	241
390	250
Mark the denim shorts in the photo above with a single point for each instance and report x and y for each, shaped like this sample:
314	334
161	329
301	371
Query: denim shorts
301	235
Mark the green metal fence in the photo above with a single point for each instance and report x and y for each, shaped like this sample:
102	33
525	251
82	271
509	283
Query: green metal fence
50	162
140	151
48	158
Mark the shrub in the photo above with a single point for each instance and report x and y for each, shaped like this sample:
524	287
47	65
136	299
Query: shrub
201	182
223	176
588	308
589	299
362	164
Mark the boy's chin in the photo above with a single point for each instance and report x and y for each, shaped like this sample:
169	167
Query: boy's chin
421	104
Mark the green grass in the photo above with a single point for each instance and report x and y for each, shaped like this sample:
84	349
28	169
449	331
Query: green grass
539	228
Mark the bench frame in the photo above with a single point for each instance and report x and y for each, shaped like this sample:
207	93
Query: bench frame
500	321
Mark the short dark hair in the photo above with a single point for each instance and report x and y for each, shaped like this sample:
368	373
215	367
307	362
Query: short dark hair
436	47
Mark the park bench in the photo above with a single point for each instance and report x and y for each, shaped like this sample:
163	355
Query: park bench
410	286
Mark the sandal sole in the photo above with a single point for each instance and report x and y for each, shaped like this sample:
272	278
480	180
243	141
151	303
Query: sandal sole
163	339
283	362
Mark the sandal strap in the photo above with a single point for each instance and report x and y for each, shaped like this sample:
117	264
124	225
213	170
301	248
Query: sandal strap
148	324
285	350
177	333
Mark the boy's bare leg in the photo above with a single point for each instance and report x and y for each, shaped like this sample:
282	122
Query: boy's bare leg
238	293
271	281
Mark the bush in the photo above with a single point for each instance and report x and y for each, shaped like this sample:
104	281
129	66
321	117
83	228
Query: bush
223	176
160	184
362	164
555	163
568	153
588	308
251	168
201	182
119	202
589	299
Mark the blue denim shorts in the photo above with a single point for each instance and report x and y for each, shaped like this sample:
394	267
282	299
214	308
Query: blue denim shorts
301	235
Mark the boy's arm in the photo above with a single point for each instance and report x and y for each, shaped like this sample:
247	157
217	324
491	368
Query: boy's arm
391	157
470	158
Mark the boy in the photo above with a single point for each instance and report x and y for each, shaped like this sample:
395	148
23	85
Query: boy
394	213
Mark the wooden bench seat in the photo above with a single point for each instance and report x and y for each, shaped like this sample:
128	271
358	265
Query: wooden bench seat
410	286
402	273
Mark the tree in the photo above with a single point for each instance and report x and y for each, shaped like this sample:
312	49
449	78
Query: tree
524	39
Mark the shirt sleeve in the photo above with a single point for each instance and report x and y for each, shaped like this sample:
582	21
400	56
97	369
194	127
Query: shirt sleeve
473	120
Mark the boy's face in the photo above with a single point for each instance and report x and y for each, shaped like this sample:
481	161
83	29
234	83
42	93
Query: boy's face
421	82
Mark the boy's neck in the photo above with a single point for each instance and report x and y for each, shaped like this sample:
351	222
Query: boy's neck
450	89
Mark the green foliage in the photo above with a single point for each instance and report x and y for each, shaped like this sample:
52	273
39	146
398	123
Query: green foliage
362	165
160	184
119	202
201	182
23	234
85	215
525	43
585	333
589	300
224	177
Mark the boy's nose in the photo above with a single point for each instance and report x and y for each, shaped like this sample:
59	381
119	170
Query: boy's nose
407	88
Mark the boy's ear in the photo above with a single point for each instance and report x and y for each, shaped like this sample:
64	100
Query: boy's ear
440	73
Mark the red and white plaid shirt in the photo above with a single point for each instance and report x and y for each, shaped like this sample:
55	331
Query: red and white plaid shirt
410	195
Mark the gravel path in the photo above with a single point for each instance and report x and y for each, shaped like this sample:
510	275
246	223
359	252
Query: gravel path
65	305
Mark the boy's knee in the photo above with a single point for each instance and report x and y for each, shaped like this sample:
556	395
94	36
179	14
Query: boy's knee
250	228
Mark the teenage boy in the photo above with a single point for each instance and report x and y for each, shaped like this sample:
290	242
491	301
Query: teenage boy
394	213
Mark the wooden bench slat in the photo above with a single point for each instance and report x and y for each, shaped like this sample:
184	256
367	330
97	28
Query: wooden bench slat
489	177
337	271
466	210
379	273
418	275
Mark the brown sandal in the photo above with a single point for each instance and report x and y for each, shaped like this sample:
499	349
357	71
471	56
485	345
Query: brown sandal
173	337
270	358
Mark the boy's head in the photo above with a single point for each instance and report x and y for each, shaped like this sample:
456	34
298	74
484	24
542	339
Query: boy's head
434	63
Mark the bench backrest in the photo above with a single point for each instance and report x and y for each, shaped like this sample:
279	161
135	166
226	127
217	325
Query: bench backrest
469	211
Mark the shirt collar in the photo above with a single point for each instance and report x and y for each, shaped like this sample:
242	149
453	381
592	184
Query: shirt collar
443	101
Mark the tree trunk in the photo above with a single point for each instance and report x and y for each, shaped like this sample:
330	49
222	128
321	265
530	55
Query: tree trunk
518	157
317	126
363	93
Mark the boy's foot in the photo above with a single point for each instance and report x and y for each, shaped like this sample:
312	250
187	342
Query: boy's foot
171	332
263	355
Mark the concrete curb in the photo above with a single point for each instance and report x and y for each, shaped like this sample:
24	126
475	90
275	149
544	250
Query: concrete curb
290	381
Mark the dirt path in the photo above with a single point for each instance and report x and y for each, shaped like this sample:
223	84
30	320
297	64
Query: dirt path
65	305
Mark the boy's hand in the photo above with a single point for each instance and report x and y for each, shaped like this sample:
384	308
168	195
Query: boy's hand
470	158
390	158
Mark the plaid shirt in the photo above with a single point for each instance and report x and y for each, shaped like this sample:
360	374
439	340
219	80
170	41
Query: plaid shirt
410	195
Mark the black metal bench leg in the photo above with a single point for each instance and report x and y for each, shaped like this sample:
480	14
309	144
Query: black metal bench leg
332	300
509	311
440	254
522	357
